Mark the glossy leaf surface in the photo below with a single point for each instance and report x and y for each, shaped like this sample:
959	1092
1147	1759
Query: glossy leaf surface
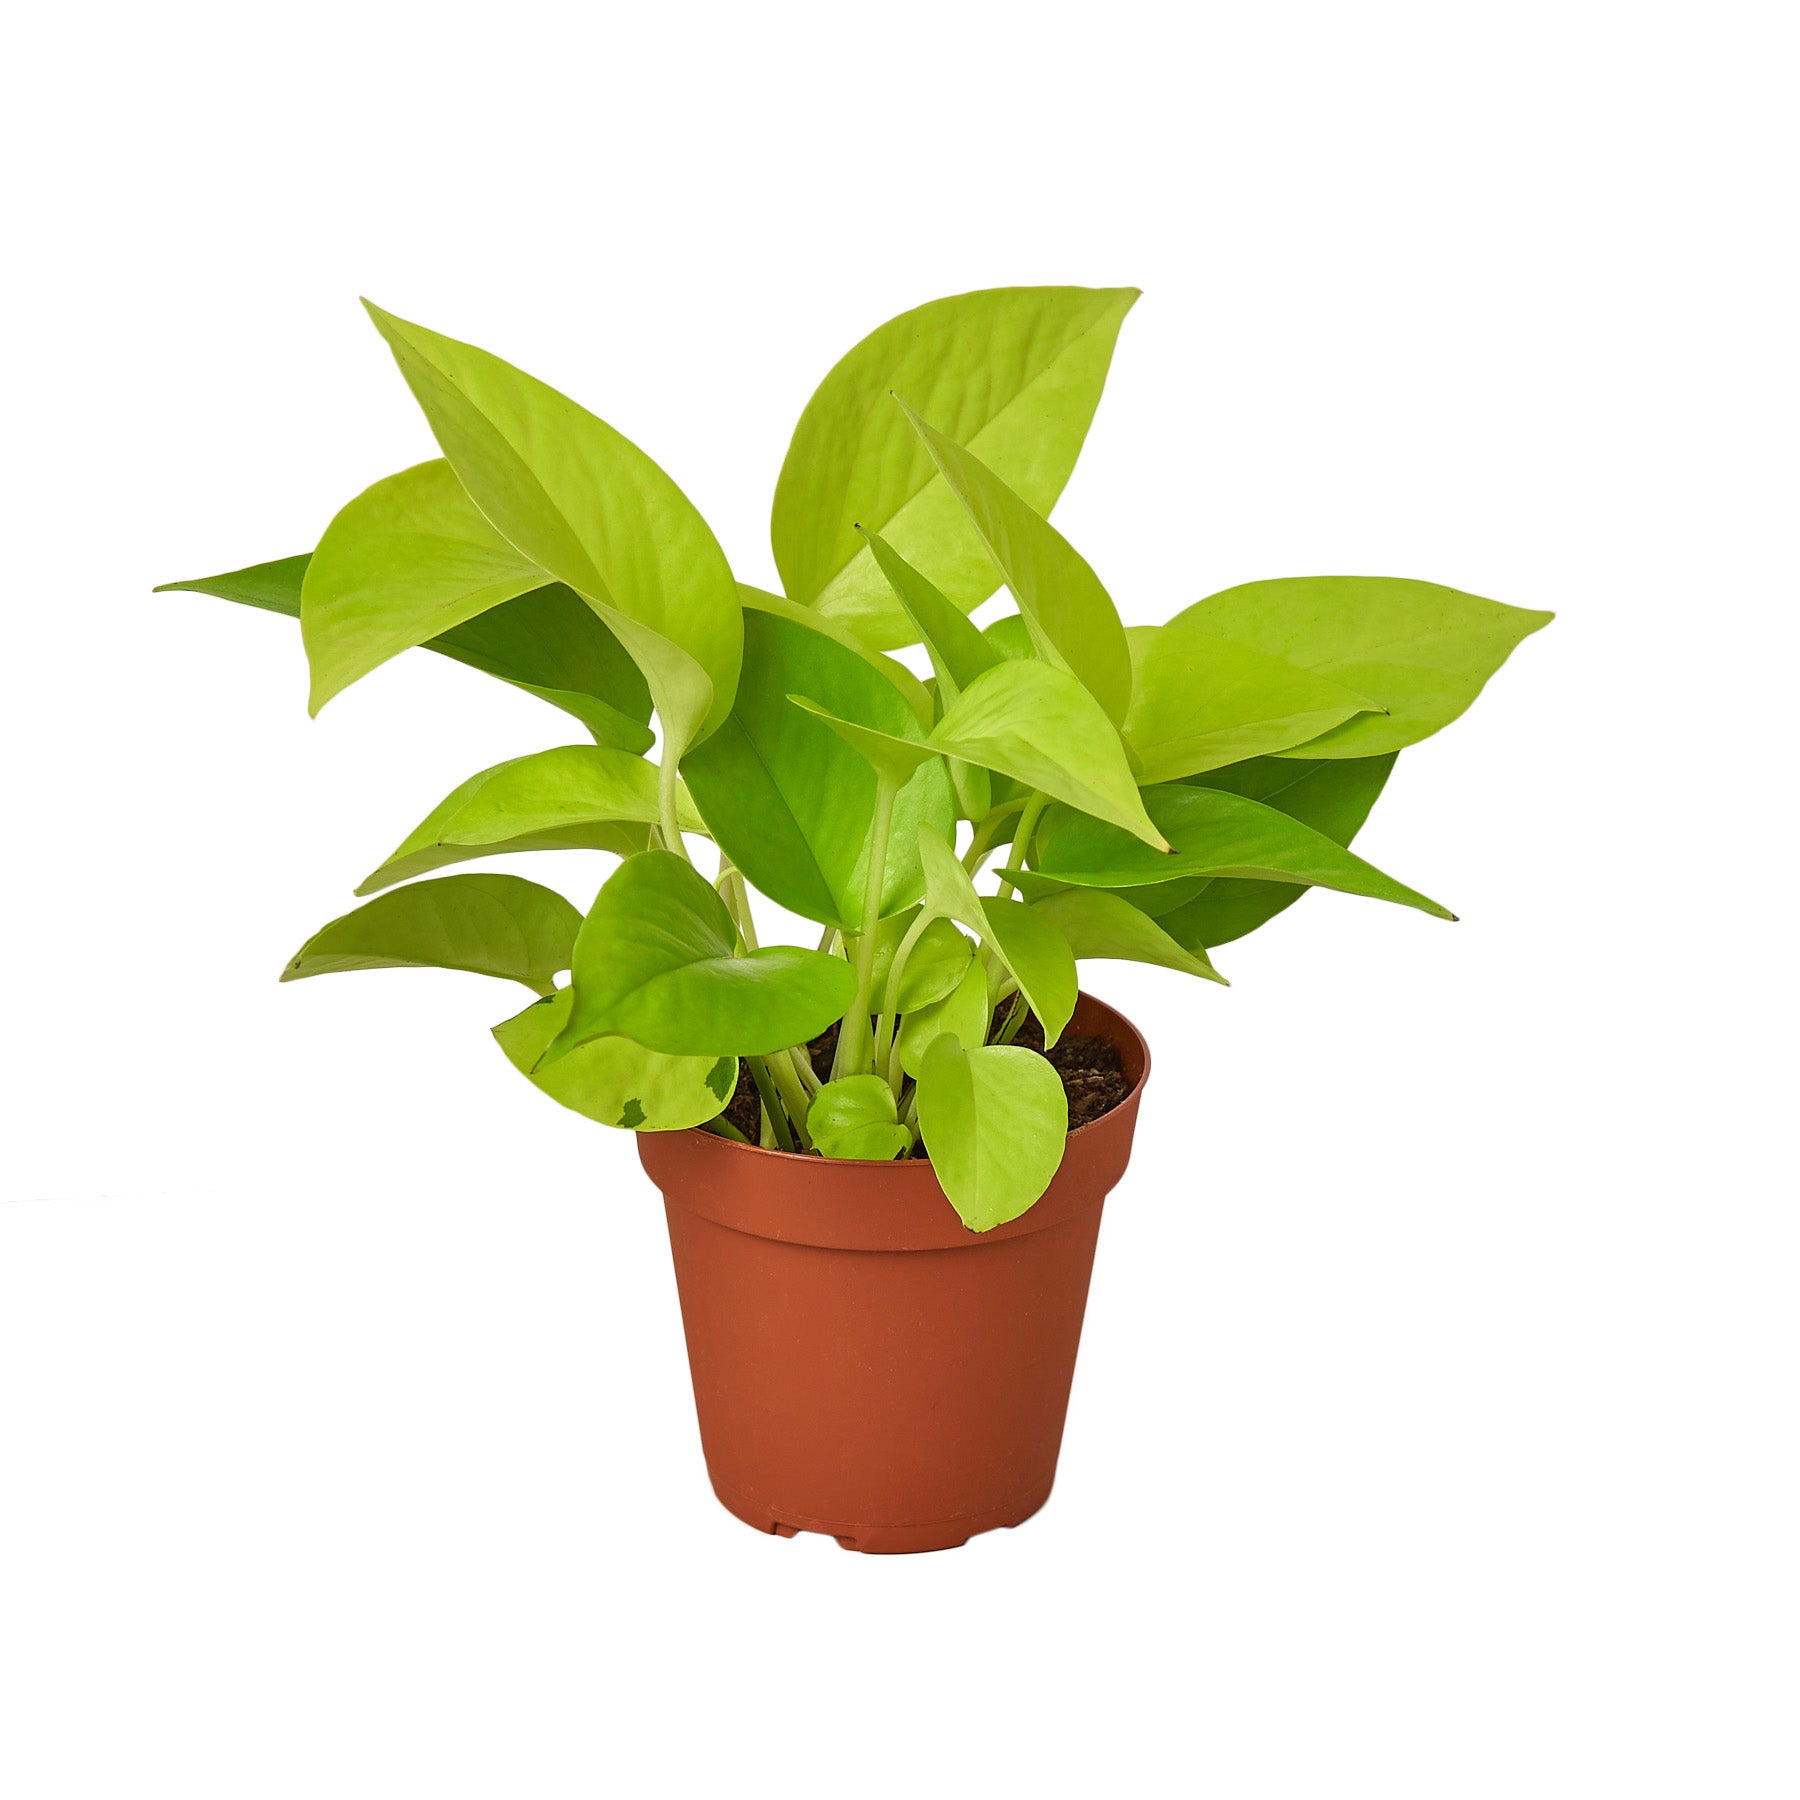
1102	926
1070	616
1332	797
854	1118
957	649
1422	651
407	559
964	1012
612	1080
995	1120
584	503
549	642
1199	702
1014	373
1034	949
580	797
1214	833
656	961
788	800
485	924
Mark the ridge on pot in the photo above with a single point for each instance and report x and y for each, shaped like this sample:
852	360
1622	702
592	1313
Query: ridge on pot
864	1365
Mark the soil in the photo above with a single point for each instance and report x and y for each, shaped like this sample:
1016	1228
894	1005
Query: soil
1093	1076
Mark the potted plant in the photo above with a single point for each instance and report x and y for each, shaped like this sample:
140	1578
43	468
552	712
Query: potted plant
884	1155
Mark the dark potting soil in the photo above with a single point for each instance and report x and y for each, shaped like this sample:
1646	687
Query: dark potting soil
1093	1074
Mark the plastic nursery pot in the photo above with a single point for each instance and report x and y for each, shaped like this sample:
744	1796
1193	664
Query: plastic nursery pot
864	1365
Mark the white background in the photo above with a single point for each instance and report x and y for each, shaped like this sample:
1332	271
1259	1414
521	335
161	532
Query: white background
1435	1428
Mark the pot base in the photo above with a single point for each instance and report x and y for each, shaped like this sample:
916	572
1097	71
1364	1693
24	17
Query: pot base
878	1540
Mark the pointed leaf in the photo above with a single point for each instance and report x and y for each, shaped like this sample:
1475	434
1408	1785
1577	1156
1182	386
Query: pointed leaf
1422	651
1042	727
614	1081
996	1121
1214	833
1070	616
1200	702
1038	954
893	759
964	1012
549	642
585	503
407	559
1015	373
1332	797
580	797
918	696
656	961
854	1118
486	924
957	649
788	800
1101	926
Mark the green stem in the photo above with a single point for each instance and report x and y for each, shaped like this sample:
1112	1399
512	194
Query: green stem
1021	843
669	819
1014	1020
723	1127
804	1069
793	1095
853	1034
777	1113
887	1028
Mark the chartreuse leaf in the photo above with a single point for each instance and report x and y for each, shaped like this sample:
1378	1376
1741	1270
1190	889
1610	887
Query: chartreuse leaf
587	505
957	649
936	963
1332	797
1071	617
1421	651
1029	949
788	800
964	1011
1039	957
995	1120
656	961
893	759
854	1118
1042	727
613	1080
1199	702
1213	833
918	696
487	924
1015	373
548	642
407	559
1100	926
580	797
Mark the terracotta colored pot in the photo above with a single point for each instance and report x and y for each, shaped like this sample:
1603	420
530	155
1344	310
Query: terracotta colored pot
863	1364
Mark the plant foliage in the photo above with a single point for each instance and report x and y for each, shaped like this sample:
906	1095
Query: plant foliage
1149	793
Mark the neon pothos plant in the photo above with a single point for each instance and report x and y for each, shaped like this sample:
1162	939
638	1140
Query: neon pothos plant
1151	792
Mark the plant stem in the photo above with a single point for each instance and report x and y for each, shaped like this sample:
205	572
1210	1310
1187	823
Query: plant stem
723	1127
777	1114
669	826
980	843
1021	843
803	1068
793	1095
887	1028
853	1034
1014	1019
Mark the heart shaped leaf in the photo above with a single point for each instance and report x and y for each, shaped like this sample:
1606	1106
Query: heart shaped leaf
580	797
548	642
964	1012
854	1118
656	960
1015	373
1213	833
1421	651
995	1120
1100	926
585	503
1071	617
612	1080
1199	702
486	924
788	800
